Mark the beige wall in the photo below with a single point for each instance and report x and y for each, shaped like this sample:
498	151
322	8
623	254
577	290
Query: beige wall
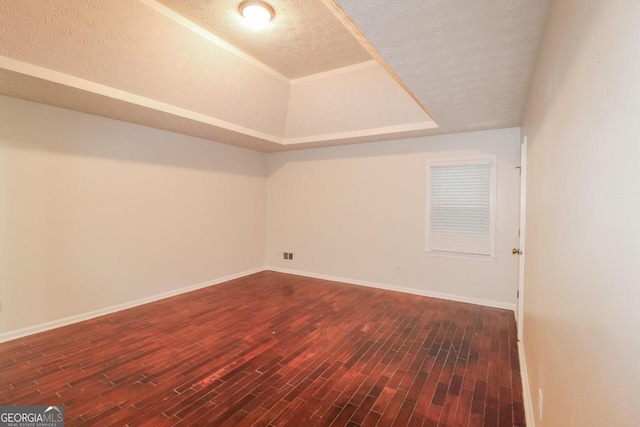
358	212
582	272
96	212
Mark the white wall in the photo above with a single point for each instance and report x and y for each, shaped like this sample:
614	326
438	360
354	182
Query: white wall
358	212
582	275
96	212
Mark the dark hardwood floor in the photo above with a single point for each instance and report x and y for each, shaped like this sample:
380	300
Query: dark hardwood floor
273	349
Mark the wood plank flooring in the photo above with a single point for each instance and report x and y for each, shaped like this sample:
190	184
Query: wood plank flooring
273	349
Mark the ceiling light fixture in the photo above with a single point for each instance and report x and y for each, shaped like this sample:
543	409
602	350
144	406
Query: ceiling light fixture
256	13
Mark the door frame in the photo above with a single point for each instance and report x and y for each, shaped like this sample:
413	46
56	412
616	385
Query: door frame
522	231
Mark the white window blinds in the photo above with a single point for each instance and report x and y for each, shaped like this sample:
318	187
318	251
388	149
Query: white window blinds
460	206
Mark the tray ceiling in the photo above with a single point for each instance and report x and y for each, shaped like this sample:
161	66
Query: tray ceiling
192	67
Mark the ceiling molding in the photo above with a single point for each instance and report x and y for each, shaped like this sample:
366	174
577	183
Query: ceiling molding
217	127
98	90
102	90
385	130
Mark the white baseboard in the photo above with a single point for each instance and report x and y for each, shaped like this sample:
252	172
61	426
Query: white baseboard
488	303
526	390
12	335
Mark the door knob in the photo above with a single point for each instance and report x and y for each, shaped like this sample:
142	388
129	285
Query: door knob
516	251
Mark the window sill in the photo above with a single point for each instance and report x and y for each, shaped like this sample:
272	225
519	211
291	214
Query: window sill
461	256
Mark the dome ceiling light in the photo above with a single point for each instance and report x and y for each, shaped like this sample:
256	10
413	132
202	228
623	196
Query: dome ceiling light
256	13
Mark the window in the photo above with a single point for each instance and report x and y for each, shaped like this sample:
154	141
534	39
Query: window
461	207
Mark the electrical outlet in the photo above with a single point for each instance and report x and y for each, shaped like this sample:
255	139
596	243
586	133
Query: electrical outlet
290	256
540	396
287	256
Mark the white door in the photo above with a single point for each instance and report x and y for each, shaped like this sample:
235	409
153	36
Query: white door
520	252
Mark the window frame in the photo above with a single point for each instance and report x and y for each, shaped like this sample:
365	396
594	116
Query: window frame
462	161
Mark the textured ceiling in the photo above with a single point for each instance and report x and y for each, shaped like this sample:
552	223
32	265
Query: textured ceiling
166	65
468	62
304	38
